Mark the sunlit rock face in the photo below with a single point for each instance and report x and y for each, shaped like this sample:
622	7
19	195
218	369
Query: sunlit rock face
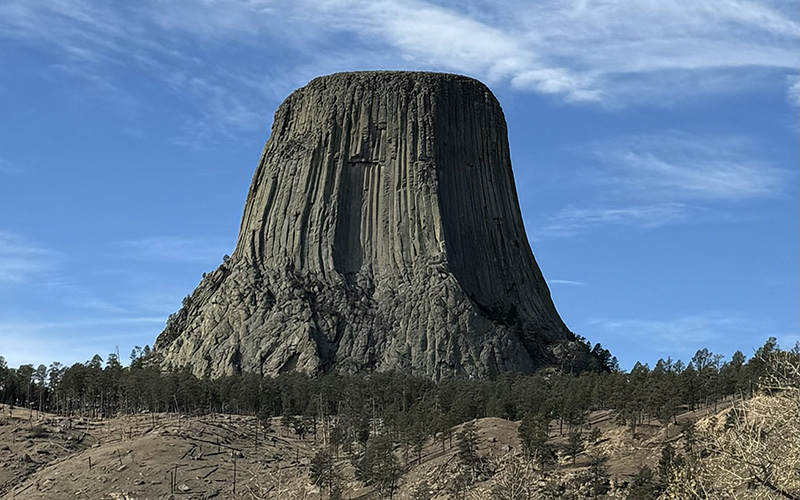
381	232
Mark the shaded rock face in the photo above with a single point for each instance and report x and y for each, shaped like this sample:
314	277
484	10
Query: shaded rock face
381	232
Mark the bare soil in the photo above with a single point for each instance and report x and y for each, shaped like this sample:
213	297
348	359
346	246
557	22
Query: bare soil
156	456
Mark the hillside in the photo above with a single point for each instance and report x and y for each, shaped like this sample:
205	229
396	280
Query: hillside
709	430
230	456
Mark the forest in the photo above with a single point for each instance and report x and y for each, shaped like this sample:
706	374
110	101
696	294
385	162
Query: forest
99	388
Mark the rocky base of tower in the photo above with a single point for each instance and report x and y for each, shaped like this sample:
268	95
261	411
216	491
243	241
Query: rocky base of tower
240	319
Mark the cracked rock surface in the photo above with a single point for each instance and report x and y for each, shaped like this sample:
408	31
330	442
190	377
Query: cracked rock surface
382	231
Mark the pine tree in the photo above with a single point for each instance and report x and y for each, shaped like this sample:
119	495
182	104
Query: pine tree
574	444
324	473
467	443
533	433
378	466
598	472
643	486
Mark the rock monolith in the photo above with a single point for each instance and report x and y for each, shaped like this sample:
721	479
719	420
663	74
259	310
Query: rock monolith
382	231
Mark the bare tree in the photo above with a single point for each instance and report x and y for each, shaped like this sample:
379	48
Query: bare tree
266	484
752	451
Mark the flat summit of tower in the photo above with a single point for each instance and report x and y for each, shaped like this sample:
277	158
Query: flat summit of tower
382	231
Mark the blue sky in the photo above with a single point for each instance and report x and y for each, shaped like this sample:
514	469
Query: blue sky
654	143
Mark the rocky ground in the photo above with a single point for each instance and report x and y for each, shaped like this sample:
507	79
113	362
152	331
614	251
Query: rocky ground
222	456
143	456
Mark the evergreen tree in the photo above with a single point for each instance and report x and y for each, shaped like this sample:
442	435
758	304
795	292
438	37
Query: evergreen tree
669	461
378	466
467	443
598	471
643	486
533	434
324	473
265	418
288	422
4	380
574	444
24	376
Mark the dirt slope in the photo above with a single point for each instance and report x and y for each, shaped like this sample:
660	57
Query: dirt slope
220	456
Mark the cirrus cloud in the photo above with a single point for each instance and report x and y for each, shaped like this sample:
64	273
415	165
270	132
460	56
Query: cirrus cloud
616	52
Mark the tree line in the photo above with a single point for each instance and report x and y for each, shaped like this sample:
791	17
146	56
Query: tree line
102	388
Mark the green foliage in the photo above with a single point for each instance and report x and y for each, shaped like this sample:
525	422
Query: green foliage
467	443
754	452
669	462
376	418
533	434
689	439
378	466
265	418
598	472
574	444
643	486
289	422
324	473
608	361
594	435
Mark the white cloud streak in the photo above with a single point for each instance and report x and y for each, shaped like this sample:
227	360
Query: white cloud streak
232	56
174	249
793	93
566	282
22	260
6	167
651	181
45	342
572	221
679	166
670	335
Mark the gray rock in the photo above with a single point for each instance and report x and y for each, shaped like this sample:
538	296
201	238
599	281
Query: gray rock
381	232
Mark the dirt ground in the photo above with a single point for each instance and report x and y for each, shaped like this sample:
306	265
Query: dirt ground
156	456
147	456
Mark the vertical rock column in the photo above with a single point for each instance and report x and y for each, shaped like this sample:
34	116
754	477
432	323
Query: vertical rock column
381	232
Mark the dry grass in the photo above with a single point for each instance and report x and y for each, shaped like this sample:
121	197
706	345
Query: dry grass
162	455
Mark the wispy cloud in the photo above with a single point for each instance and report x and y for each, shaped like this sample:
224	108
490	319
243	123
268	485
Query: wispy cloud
566	282
788	340
684	333
41	326
6	167
225	114
104	44
542	49
22	260
655	180
572	221
676	165
793	93
175	249
69	320
44	342
230	58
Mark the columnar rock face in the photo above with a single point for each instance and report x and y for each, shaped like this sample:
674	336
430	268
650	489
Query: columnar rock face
381	232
